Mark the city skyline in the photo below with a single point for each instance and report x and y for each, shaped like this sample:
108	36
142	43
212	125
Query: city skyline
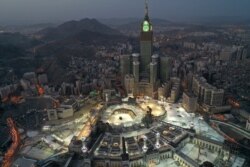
149	93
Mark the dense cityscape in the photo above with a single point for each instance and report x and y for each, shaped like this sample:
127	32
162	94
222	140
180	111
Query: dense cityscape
92	94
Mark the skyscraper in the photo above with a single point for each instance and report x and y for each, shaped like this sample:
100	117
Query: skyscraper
125	65
146	42
165	68
148	70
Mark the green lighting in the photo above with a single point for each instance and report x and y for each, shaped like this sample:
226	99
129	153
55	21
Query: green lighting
146	26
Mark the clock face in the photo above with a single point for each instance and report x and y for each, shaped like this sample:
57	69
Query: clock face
146	26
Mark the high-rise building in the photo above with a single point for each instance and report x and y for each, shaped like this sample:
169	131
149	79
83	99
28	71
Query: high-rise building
129	83
141	69
125	65
217	97
136	70
149	71
189	81
164	90
189	102
153	72
206	93
195	85
146	42
175	89
207	89
165	68
161	92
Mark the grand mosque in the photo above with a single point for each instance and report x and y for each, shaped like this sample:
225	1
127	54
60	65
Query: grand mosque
142	130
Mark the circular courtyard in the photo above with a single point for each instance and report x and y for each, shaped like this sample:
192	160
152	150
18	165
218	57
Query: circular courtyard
123	115
127	115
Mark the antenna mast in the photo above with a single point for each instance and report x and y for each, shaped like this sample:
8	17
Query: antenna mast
146	7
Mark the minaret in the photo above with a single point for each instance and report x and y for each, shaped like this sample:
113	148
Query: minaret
145	147
146	42
84	148
124	155
157	143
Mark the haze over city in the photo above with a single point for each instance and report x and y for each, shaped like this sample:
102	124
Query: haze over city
40	11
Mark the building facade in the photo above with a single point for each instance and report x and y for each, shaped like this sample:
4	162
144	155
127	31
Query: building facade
143	73
189	102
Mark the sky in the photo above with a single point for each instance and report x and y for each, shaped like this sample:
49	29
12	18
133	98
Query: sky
41	11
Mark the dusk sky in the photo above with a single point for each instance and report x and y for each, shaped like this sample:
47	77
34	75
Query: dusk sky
35	11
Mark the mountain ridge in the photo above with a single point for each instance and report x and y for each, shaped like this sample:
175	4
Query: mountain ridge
73	27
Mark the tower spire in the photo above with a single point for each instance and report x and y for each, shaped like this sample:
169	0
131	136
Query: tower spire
146	8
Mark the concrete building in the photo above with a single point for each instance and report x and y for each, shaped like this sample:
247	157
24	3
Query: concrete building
65	112
125	65
108	93
174	95
175	89
153	72
189	102
146	43
30	76
206	93
136	65
163	91
130	147
52	114
42	79
217	97
165	68
148	70
227	53
70	104
25	84
7	90
129	83
67	88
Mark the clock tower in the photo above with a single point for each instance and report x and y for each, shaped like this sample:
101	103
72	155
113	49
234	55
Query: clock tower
146	43
143	79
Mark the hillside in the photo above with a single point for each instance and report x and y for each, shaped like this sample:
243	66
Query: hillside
71	28
17	40
14	55
73	38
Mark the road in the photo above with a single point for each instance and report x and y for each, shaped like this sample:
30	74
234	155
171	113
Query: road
245	133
